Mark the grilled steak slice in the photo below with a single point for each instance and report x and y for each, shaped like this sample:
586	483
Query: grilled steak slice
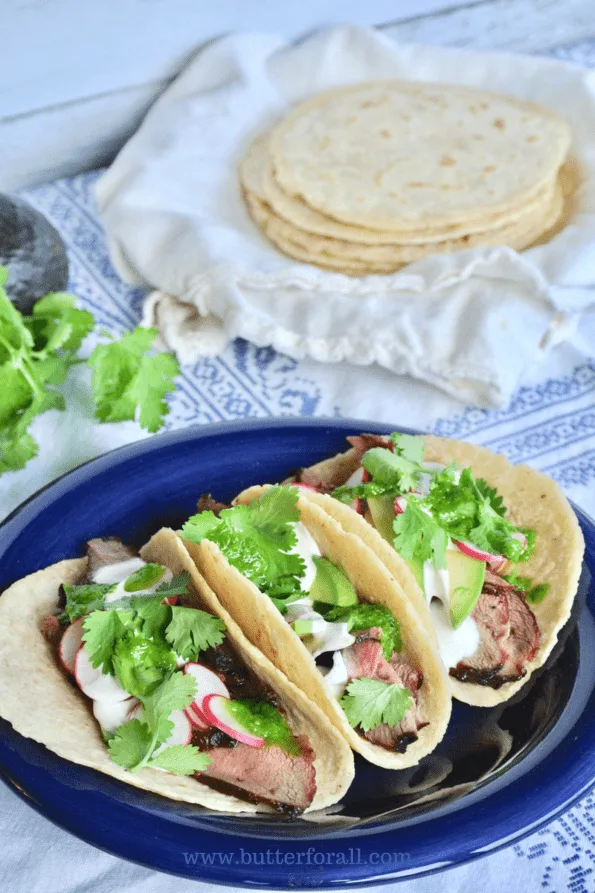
51	630
523	641
105	550
325	476
265	774
365	658
241	682
206	503
509	636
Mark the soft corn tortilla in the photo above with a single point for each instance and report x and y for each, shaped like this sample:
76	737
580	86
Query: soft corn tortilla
53	712
534	501
266	628
258	182
359	259
398	155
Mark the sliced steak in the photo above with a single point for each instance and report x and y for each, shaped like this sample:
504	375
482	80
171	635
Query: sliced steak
241	682
365	658
265	774
509	636
51	630
206	503
105	550
325	476
523	641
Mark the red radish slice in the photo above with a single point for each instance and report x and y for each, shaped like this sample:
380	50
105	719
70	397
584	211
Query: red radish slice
195	719
356	478
181	732
303	486
207	683
216	711
95	684
472	551
110	716
400	505
170	600
70	644
518	535
357	506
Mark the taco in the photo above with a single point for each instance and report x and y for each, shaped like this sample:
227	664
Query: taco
325	610
135	669
488	553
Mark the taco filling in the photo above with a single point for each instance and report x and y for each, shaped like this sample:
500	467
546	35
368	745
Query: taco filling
452	531
357	646
167	687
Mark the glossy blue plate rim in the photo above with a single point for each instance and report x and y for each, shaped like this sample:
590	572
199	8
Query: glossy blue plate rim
59	790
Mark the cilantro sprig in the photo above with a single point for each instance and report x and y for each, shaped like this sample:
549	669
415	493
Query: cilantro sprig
534	593
137	743
256	540
36	354
368	703
393	470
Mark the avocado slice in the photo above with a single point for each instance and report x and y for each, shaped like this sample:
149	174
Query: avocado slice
331	586
466	577
382	509
302	627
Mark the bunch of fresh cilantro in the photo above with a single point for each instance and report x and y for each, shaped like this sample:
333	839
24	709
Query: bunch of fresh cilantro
36	353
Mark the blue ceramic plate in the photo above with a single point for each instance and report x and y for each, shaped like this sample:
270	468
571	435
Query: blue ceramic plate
498	774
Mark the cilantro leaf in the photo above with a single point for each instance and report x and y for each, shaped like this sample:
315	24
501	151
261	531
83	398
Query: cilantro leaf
152	613
174	693
256	539
180	759
369	703
408	446
130	743
176	586
396	472
365	616
418	536
103	629
82	600
56	324
191	631
129	383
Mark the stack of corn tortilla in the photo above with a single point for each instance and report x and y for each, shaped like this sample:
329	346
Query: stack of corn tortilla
369	178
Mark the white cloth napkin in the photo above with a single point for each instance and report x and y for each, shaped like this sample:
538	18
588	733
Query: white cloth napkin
468	323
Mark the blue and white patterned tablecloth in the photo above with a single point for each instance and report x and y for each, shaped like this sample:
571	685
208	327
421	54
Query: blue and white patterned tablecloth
550	423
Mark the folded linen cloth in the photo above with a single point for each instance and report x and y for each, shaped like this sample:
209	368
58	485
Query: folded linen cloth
469	323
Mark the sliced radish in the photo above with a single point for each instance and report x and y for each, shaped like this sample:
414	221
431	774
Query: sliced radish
303	486
110	716
356	478
518	535
207	683
495	561
216	711
70	644
181	732
95	684
400	505
136	712
357	506
195	719
170	600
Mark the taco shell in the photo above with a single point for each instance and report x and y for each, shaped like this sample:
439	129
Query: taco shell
266	628
50	710
533	500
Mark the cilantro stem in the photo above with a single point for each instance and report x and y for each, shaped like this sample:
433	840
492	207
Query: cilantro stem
149	753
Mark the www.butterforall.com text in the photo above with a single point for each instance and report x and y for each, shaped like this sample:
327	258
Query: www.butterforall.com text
309	856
